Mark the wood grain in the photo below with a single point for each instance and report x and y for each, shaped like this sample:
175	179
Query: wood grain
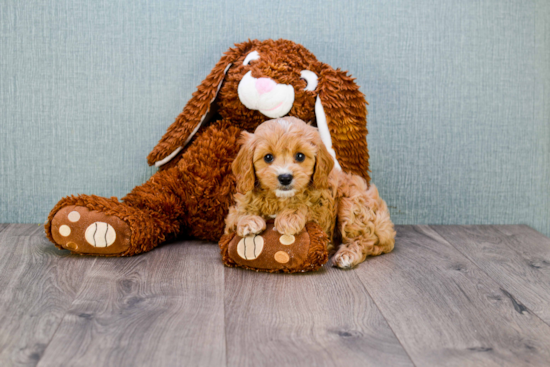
37	285
3	226
316	319
516	257
163	308
446	311
26	230
472	296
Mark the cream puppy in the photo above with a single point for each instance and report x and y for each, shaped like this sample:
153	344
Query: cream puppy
284	171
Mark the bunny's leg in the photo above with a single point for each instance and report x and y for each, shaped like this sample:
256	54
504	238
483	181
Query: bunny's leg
192	196
93	225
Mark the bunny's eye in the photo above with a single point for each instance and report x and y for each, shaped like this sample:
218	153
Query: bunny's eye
300	157
311	79
254	55
268	158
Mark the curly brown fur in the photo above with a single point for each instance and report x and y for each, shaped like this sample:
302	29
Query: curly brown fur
316	192
190	195
193	190
282	61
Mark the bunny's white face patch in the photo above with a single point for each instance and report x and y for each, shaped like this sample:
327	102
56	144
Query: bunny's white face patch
265	95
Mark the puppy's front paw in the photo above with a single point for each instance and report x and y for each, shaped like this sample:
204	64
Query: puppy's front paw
289	224
346	258
250	224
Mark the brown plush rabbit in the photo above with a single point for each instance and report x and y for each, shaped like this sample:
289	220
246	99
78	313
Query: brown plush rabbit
191	193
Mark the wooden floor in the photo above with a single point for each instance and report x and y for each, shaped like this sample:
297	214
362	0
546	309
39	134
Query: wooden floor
447	296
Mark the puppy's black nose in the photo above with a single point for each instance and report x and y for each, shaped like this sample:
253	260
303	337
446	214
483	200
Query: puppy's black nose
285	179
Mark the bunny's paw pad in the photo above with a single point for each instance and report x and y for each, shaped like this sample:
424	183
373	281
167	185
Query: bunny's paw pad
85	231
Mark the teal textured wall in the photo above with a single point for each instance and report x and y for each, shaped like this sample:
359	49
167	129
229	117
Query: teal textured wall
459	95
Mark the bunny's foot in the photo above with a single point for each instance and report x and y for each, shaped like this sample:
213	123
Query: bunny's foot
92	225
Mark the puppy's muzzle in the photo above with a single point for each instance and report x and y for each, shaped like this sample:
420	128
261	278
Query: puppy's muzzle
285	179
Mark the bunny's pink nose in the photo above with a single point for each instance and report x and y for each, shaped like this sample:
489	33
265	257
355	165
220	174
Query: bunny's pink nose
264	85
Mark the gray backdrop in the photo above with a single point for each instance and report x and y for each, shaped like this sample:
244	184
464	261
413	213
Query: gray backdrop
459	95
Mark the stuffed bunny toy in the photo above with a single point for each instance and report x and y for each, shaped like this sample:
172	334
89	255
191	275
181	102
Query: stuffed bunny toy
194	187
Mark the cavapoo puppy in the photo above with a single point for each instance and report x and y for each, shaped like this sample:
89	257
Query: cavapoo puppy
285	172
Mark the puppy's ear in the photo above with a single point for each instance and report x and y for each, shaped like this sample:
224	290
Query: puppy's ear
341	114
323	165
195	112
243	165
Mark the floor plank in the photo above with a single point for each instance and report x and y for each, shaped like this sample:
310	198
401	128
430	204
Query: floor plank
163	308
451	296
446	311
37	285
20	229
317	319
516	257
3	226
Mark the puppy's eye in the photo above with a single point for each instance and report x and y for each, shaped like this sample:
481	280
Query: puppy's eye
268	158
254	55
300	157
311	79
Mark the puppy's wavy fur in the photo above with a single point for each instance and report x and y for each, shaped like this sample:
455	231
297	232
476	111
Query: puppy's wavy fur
344	205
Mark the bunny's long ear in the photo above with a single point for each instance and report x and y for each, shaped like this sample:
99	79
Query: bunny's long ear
195	112
341	114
